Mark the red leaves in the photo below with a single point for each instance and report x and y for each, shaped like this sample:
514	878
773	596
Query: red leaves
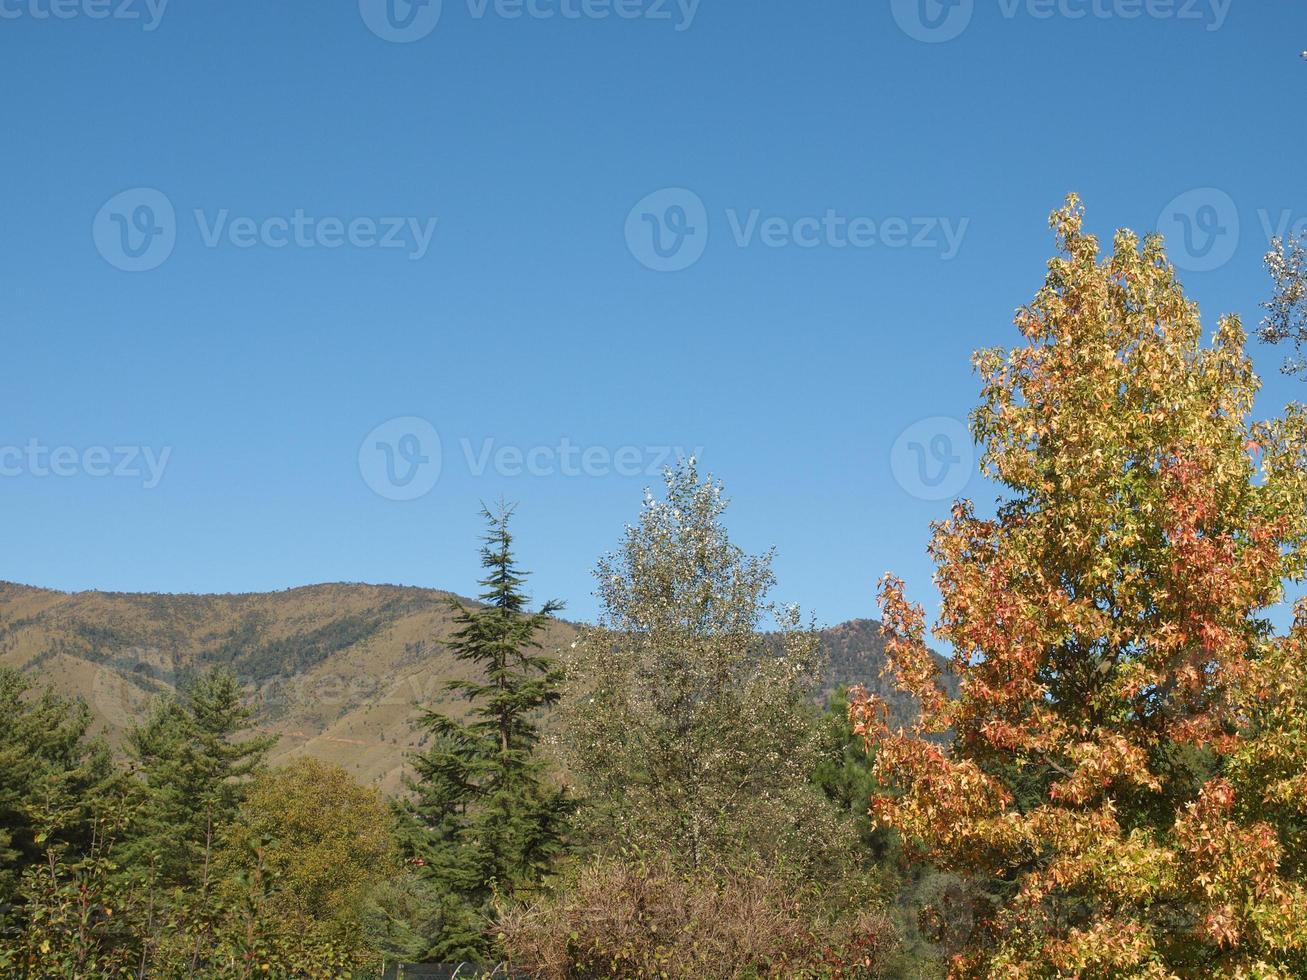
1099	764
909	661
1108	634
868	714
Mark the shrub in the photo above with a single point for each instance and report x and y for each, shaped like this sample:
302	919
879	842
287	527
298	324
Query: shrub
619	918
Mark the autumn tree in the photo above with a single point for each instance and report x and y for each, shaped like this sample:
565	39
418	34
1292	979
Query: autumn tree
488	814
298	863
1128	769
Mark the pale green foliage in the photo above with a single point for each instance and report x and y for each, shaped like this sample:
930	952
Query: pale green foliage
693	736
1286	310
325	839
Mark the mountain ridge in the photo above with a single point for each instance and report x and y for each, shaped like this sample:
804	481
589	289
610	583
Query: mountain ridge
336	669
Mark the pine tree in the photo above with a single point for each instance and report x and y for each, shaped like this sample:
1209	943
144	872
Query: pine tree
54	779
489	816
193	766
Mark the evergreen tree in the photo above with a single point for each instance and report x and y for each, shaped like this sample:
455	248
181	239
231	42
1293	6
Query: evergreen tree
490	818
193	766
844	771
53	779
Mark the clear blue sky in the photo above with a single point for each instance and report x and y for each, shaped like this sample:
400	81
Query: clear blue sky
532	314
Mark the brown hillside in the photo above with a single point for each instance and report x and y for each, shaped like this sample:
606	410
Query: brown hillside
338	671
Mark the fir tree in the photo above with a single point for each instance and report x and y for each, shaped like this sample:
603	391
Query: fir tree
193	766
48	766
490	818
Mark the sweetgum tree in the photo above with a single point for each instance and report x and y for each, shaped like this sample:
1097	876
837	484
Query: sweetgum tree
1127	777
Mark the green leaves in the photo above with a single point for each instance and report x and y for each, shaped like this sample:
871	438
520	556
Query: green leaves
691	734
53	777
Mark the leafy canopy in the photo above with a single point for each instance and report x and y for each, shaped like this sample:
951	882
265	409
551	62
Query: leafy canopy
1128	768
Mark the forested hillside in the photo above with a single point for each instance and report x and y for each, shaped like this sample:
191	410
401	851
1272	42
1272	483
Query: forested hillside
335	670
1108	779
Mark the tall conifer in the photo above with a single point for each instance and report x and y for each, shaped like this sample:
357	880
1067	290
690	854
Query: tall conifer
490	817
194	765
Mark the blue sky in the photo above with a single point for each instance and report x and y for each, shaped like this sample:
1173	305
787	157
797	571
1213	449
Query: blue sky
848	198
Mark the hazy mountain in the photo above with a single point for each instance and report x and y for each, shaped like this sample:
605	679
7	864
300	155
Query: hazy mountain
337	670
854	653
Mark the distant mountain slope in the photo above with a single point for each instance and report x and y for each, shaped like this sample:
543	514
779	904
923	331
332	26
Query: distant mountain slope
854	653
338	670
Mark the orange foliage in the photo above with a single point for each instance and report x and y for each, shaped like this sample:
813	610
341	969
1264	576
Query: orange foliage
1127	774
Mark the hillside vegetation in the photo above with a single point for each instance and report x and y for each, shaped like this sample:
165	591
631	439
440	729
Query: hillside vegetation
337	671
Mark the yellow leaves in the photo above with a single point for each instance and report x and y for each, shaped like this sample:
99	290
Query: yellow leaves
1221	926
1100	764
1108	637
